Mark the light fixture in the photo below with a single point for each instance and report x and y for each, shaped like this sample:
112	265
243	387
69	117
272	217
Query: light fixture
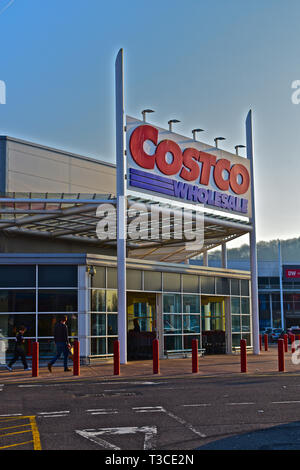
237	147
91	270
145	111
194	132
171	122
216	139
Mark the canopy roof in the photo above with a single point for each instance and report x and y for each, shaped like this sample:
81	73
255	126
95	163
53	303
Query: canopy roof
74	217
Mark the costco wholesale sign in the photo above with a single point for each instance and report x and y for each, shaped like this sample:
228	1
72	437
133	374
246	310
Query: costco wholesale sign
175	167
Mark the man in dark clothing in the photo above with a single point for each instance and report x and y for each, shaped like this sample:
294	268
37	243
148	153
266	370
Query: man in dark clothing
61	339
19	350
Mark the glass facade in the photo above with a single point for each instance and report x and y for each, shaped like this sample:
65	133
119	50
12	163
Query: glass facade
240	320
270	302
35	296
177	307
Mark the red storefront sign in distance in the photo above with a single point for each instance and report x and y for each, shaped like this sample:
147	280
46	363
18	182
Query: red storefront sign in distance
292	273
186	163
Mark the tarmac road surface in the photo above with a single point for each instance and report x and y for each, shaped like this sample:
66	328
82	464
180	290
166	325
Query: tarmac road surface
173	413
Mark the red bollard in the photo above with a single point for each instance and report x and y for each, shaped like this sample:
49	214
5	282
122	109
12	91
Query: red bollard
260	342
293	343
285	338
35	359
116	357
281	355
243	344
195	367
76	358
266	342
155	345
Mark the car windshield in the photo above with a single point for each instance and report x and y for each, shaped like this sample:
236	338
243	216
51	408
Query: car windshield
278	330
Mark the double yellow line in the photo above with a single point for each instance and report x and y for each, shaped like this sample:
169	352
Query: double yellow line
33	429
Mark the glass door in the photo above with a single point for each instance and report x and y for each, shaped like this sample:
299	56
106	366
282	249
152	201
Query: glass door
213	324
141	325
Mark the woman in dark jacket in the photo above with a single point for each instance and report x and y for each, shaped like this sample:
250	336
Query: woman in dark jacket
19	350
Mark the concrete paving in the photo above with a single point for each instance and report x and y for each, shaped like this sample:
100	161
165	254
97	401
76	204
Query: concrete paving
211	365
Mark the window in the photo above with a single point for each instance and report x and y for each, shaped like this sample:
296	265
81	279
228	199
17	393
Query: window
191	323
111	301
17	300
104	324
57	276
172	324
98	302
134	279
47	322
172	343
17	276
207	285
222	285
98	279
235	286
9	323
235	305
190	283
112	281
152	281
171	282
172	303
245	287
191	303
57	300
98	324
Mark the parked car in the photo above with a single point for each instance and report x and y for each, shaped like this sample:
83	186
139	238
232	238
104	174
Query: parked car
266	331
294	330
276	334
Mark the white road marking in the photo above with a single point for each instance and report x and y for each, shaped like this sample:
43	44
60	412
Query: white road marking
149	409
29	386
245	403
14	414
160	409
284	402
198	404
127	383
93	435
186	424
53	414
102	411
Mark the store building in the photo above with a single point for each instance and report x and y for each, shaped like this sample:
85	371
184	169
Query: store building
278	291
52	261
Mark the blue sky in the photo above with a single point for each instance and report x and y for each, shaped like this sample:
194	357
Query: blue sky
205	63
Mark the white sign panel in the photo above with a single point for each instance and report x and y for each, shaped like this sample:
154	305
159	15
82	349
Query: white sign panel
175	167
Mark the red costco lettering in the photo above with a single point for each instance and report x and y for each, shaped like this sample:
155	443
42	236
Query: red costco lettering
138	137
192	164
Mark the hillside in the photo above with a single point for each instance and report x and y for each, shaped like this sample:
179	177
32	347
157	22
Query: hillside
266	251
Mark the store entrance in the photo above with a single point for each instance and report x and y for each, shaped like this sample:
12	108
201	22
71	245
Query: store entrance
141	325
213	324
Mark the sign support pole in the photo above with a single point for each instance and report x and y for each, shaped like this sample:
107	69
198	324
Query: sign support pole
121	207
252	236
280	284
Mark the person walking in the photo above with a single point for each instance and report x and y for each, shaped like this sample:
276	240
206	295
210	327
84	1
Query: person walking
63	346
19	350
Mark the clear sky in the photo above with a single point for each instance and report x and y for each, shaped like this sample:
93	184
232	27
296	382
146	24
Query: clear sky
204	62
